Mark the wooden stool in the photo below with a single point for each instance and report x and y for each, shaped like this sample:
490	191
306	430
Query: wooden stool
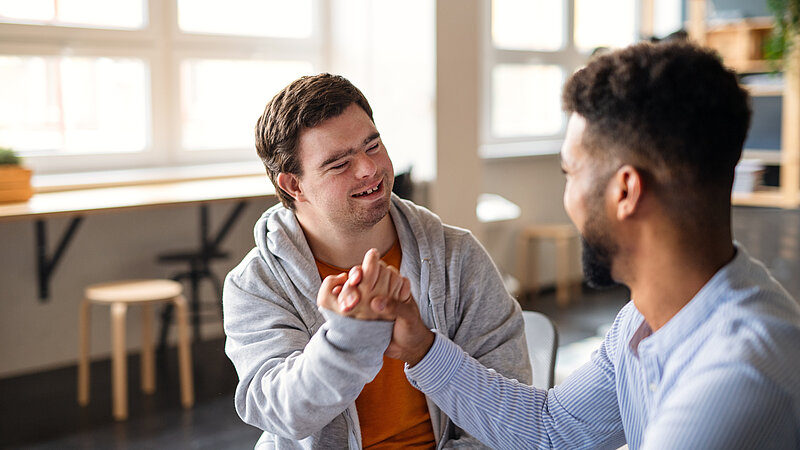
120	294
561	235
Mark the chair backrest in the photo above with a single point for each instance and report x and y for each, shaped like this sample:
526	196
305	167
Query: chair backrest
542	337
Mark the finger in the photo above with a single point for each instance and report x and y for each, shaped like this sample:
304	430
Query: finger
405	291
371	268
326	297
355	275
349	297
395	286
382	284
378	304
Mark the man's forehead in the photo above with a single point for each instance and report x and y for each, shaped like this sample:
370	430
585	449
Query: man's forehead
573	138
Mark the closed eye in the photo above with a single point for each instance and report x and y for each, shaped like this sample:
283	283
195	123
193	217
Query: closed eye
339	166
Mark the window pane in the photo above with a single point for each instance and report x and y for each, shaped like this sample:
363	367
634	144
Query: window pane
271	18
609	23
222	99
92	13
53	105
667	17
526	100
528	24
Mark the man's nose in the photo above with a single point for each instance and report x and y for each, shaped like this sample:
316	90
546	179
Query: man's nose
365	166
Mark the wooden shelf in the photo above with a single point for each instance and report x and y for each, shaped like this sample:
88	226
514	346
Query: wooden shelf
740	44
773	198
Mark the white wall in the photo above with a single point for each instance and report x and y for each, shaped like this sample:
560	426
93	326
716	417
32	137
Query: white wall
108	246
536	184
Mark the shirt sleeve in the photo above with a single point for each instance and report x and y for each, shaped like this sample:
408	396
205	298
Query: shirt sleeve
504	413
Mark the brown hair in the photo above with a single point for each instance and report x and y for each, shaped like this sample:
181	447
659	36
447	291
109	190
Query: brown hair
304	103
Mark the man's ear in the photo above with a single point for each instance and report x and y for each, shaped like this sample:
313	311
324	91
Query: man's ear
289	183
627	191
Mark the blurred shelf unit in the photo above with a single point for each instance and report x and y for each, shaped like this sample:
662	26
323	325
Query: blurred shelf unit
775	134
741	43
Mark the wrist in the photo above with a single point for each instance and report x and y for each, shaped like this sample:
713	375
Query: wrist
419	352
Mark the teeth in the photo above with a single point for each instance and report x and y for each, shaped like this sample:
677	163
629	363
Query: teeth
367	192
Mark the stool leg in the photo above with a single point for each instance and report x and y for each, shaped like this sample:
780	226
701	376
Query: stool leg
184	353
148	363
562	271
119	369
84	333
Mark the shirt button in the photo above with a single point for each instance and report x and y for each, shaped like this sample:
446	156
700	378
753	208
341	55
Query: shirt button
653	387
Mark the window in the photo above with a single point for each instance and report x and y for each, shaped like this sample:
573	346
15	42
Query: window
95	84
532	47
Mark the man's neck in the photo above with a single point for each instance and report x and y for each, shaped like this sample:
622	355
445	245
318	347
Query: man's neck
346	248
666	276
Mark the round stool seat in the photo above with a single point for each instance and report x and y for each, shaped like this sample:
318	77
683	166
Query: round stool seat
133	291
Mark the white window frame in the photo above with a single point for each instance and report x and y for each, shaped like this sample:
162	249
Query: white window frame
162	46
569	58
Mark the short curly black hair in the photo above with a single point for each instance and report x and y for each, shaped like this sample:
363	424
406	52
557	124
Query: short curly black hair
671	109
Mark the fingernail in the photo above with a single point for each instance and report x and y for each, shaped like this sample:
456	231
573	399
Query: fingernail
381	305
351	299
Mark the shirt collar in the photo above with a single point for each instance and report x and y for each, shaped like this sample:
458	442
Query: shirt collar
692	316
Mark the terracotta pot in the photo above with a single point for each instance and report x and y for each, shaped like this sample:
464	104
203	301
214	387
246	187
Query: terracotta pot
15	184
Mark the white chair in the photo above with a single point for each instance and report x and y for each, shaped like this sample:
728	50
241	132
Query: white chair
542	337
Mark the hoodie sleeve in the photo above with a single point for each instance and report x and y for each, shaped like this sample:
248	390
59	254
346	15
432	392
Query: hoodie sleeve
291	383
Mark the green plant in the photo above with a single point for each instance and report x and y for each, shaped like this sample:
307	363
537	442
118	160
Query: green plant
9	157
785	32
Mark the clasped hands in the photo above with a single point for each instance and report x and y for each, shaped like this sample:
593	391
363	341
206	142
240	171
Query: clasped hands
377	291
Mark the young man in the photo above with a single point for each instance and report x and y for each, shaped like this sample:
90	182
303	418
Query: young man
313	380
706	354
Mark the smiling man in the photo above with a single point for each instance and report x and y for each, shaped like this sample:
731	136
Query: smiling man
706	354
314	379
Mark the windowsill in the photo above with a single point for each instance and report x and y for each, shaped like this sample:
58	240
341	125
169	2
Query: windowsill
548	147
133	177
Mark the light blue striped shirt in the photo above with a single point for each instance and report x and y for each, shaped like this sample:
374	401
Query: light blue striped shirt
723	373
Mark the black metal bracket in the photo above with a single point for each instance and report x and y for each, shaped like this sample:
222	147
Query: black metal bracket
47	265
213	243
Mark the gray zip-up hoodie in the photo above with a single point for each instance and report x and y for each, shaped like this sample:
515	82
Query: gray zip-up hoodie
300	369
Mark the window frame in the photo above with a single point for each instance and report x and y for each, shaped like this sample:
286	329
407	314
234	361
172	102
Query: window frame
569	58
162	46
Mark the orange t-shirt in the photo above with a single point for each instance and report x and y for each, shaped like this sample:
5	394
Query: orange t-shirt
392	413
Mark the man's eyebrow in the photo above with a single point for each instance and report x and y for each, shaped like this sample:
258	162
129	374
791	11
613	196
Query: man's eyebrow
348	152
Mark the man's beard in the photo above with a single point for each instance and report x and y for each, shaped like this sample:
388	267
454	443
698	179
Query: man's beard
598	250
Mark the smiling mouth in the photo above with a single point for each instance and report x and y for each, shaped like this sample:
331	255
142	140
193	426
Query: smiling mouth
369	191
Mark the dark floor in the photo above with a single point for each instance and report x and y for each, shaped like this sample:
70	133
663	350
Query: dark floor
39	411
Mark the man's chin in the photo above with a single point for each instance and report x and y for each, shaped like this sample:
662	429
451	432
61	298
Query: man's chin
596	263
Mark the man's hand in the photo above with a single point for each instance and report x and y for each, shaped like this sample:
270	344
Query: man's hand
380	286
411	338
387	296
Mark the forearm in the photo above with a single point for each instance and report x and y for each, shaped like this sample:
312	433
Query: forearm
504	413
291	385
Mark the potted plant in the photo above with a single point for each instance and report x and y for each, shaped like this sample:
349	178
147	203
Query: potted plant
15	180
781	47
